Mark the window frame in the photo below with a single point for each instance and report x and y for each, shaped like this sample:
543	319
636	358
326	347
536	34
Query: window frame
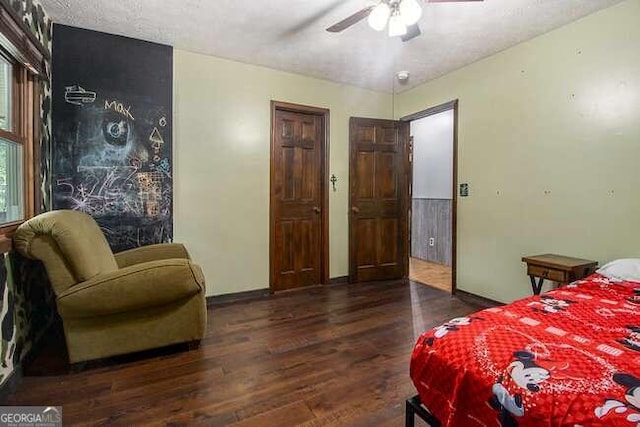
28	57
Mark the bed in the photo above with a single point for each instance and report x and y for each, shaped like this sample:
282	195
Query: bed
570	357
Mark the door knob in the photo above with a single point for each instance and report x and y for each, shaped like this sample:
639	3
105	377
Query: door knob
316	209
355	210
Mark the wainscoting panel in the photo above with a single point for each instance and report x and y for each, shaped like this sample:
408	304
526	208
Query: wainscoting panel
431	218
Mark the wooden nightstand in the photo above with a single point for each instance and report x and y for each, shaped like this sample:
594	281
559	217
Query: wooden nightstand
558	268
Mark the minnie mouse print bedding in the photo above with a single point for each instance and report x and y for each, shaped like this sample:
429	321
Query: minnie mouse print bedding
570	357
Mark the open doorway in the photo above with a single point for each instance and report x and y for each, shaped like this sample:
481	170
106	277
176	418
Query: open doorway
432	255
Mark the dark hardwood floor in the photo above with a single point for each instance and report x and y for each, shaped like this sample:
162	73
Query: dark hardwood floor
326	356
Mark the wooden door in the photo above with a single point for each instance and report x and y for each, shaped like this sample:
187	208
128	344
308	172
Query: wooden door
297	200
378	226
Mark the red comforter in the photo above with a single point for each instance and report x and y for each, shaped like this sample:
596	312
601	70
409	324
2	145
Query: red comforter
570	357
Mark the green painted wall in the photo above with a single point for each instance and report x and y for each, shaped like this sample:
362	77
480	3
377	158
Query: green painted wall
221	162
549	141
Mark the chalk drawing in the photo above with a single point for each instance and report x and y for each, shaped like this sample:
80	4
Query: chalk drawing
115	129
156	139
150	191
112	155
119	108
77	95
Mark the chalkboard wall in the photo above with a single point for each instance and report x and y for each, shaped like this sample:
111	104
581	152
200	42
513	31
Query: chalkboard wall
112	128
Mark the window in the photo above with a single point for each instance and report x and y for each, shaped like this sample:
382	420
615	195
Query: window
22	60
11	157
11	182
16	140
6	81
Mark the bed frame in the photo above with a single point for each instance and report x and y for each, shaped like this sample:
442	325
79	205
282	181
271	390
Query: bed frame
415	407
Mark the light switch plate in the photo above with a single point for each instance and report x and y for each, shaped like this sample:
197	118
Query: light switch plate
464	190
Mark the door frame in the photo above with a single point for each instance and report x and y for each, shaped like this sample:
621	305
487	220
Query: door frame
451	105
324	187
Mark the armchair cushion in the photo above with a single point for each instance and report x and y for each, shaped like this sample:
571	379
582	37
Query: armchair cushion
132	288
151	253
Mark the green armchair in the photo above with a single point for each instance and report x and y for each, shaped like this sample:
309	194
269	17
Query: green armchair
135	300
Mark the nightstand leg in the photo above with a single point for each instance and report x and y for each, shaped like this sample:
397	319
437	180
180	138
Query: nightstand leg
537	287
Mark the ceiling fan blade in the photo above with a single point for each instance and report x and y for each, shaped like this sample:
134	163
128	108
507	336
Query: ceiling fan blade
412	32
448	1
351	20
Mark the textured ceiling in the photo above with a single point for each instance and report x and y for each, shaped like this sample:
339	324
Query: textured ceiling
290	34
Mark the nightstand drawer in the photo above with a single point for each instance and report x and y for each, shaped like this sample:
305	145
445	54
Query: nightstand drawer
557	268
548	273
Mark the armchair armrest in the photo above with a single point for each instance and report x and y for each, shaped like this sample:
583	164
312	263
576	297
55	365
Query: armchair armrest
132	288
151	253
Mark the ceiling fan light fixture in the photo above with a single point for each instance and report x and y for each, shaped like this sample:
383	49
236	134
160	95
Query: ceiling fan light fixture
379	16
396	26
410	11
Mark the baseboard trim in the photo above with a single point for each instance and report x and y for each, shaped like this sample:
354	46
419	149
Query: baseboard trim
10	385
238	297
258	294
477	299
341	280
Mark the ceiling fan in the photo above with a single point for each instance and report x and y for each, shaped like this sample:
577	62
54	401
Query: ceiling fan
401	15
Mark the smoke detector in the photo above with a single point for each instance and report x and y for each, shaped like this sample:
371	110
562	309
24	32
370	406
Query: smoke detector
402	76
